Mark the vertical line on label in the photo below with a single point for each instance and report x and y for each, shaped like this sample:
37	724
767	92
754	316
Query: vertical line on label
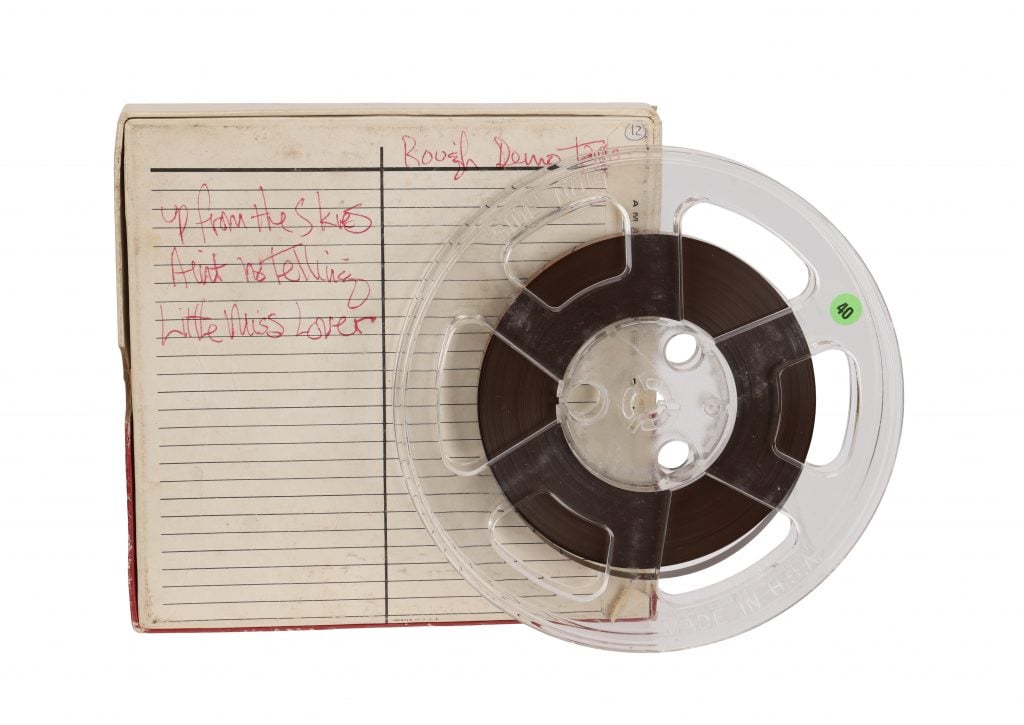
383	383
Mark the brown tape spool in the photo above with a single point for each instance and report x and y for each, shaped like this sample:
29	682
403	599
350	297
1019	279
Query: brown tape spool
635	531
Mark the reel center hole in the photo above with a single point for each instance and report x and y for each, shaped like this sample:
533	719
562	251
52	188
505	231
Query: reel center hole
584	401
673	455
681	349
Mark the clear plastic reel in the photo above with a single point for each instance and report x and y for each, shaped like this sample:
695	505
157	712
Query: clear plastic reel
455	313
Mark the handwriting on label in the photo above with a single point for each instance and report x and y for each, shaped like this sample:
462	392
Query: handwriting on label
195	322
302	217
293	263
287	265
197	261
456	153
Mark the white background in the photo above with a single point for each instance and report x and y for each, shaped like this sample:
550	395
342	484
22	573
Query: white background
900	122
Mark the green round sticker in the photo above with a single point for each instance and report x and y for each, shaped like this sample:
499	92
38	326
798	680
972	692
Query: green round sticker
846	309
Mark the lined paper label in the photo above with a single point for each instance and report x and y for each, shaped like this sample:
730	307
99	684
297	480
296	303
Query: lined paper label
270	265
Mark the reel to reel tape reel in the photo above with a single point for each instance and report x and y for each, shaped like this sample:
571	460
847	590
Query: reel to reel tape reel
539	374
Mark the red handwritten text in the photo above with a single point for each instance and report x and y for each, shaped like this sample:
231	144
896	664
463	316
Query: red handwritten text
193	323
323	327
194	271
455	155
586	150
297	218
294	264
508	156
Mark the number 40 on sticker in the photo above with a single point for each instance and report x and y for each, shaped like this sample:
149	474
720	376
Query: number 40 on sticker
846	309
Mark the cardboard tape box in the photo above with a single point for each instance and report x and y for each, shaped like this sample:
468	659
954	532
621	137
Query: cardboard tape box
266	259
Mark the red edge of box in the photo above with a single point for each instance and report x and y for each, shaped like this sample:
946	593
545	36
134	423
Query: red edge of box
129	474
